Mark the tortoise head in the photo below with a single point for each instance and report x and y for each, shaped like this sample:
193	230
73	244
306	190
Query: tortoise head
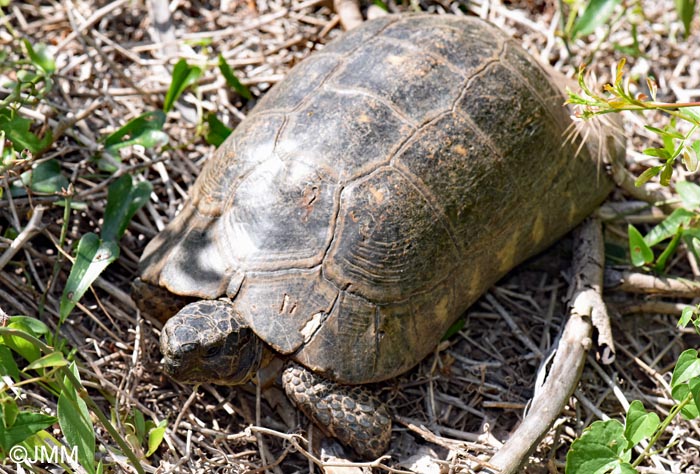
208	341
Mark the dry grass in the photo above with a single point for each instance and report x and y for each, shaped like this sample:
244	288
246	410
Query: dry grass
461	402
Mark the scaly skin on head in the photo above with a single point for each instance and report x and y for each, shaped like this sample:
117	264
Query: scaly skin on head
208	342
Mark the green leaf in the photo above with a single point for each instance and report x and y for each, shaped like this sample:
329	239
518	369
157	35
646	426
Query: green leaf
639	424
8	366
232	80
145	130
694	386
454	329
686	10
692	113
54	359
686	316
123	200
8	412
76	424
596	14
647	175
218	132
678	219
40	56
184	76
93	256
20	345
691	238
666	174
657	152
660	264
689	193
17	131
46	177
640	253
679	393
687	367
25	425
155	437
601	449
37	328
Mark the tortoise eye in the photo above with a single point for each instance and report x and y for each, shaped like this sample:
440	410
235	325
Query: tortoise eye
213	351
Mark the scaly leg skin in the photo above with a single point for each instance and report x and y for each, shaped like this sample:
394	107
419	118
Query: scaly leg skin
349	413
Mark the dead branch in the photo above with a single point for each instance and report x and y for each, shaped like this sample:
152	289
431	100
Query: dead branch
349	13
635	282
570	357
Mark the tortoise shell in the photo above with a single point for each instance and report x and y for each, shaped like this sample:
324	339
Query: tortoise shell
378	191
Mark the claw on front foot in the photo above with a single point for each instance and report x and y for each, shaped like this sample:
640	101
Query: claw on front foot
351	414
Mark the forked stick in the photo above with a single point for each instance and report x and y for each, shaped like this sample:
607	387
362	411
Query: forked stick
565	370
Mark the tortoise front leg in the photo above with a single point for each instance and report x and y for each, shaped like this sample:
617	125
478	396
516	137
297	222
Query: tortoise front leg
351	414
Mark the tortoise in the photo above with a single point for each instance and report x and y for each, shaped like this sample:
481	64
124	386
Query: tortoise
362	206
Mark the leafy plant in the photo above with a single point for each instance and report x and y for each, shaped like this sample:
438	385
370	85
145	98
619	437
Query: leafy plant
676	144
608	446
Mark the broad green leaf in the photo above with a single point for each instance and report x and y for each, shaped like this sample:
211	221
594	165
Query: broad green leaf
218	132
93	256
54	359
17	131
38	328
145	130
20	345
596	14
640	253
647	175
123	200
232	80
184	76
679	218
601	449
694	386
46	177
686	316
8	412
8	366
657	152
679	393
139	424
40	56
689	193
155	437
639	424
25	425
685	10
687	367
76	424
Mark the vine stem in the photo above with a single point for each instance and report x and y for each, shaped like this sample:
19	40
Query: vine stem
662	427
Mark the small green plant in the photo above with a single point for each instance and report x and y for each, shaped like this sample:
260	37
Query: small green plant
676	144
682	225
608	446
